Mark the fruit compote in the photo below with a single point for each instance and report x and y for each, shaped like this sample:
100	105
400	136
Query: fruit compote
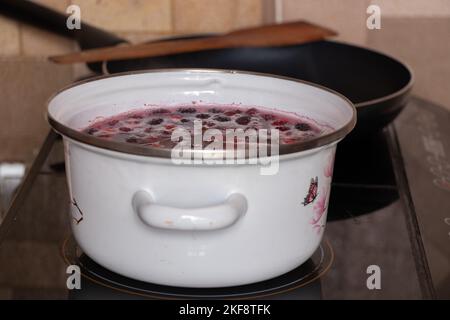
153	125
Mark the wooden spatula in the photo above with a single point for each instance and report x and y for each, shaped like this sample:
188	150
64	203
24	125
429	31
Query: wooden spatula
265	36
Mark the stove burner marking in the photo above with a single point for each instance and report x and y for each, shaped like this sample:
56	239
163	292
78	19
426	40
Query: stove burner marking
437	159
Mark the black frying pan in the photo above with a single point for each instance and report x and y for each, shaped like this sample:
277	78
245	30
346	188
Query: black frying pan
376	83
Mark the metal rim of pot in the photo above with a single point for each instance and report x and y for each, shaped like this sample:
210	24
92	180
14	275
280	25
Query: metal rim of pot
128	148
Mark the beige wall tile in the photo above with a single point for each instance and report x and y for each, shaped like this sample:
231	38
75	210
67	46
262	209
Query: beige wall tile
9	37
59	5
121	15
347	17
414	40
140	37
414	8
26	84
80	70
215	15
38	42
248	13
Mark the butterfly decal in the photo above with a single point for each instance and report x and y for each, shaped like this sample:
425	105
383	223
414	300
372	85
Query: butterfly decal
78	217
312	191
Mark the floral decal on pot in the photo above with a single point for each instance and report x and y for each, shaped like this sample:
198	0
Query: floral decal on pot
321	198
312	191
319	228
320	207
328	170
78	214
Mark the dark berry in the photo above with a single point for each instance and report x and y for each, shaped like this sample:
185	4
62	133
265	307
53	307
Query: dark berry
231	112
303	127
268	117
282	128
125	129
161	111
203	116
155	122
113	122
187	110
185	120
279	122
215	110
244	120
221	118
151	139
166	133
252	111
92	130
132	140
136	116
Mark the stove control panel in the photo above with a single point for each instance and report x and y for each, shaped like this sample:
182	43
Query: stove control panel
423	132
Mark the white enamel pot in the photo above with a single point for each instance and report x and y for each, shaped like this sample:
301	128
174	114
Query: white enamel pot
196	225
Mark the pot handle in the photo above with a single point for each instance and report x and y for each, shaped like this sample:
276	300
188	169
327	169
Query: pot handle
212	217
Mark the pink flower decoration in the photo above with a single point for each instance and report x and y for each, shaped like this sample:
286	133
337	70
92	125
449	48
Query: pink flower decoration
320	207
318	228
328	171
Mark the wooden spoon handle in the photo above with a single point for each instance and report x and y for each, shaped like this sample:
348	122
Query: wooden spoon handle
272	35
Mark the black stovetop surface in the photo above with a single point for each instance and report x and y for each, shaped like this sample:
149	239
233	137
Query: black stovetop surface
374	219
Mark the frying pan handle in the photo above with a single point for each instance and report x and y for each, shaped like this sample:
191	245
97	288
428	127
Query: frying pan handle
212	217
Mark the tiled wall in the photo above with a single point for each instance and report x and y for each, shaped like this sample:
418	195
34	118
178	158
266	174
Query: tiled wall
137	20
414	30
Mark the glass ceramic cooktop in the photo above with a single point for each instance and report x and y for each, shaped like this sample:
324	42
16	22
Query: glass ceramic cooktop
375	244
